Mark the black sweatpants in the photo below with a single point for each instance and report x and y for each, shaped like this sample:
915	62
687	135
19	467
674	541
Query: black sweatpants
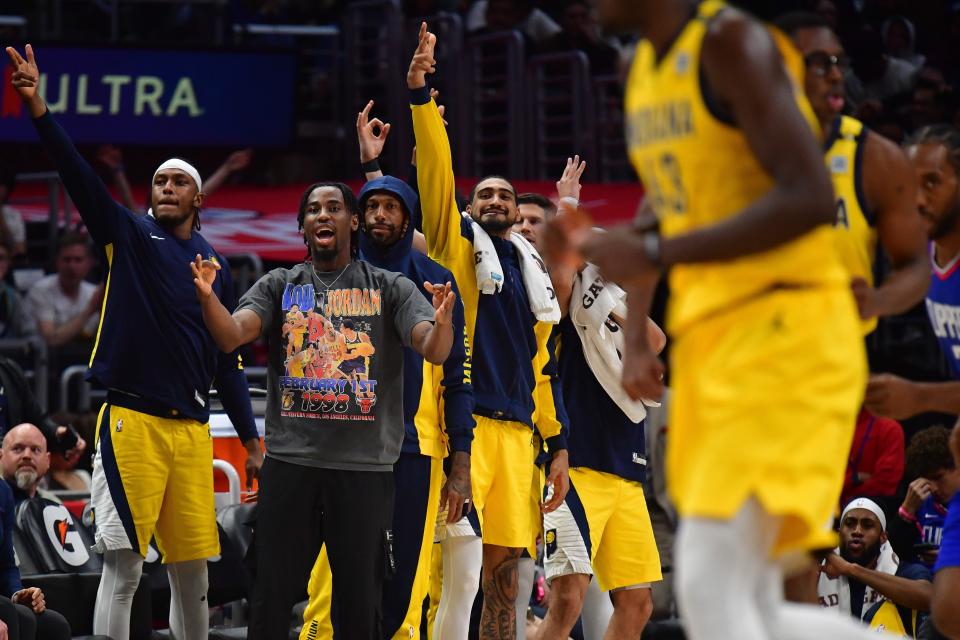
301	508
23	624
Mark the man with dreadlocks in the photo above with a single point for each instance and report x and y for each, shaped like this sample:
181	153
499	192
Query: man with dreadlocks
331	442
934	152
151	470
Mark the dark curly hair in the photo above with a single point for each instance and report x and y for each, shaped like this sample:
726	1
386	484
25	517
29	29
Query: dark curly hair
349	201
928	453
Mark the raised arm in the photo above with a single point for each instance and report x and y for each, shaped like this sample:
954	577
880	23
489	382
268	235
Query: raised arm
441	216
112	158
236	161
228	331
99	211
371	136
891	193
434	340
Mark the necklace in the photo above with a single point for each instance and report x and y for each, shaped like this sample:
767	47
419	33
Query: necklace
325	285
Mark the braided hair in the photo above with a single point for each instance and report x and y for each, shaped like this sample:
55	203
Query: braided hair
349	201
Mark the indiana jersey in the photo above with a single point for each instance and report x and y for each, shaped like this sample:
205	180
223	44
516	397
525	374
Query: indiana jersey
698	170
943	309
855	225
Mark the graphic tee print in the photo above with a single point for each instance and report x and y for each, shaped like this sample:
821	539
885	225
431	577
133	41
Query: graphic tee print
335	380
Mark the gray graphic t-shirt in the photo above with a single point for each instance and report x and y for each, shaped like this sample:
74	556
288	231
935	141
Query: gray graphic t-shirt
335	380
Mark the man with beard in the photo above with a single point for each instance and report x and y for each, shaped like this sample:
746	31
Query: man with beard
25	460
437	418
864	570
332	444
872	181
151	470
934	152
509	321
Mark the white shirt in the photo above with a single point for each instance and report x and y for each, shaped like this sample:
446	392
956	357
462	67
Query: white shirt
15	225
47	302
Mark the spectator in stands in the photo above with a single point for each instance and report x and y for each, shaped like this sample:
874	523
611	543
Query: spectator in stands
946	583
875	467
900	39
581	32
877	76
535	211
15	322
64	305
863	572
13	232
25	461
500	15
933	478
18	405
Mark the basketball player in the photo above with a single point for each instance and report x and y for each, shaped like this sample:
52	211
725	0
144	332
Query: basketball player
151	471
515	388
872	181
935	154
768	362
328	474
438	407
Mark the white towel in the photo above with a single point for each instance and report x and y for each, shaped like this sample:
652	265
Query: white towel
591	303
540	292
834	593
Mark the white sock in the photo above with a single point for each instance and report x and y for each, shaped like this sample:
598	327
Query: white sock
462	564
596	613
118	582
526	570
189	612
728	588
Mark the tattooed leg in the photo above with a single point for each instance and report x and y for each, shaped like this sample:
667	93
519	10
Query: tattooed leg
498	620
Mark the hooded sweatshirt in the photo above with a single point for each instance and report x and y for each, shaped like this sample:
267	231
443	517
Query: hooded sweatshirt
437	399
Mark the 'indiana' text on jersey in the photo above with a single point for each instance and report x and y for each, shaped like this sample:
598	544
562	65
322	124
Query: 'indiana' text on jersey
698	169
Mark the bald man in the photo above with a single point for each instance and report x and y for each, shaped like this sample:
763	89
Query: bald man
25	460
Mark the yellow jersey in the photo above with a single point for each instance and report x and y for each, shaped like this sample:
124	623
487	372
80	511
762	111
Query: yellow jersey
856	231
698	171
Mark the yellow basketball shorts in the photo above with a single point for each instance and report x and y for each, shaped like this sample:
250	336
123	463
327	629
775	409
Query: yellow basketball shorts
603	529
765	397
506	482
154	476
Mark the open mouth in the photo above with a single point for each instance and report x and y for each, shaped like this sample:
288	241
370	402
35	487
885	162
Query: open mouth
325	236
835	101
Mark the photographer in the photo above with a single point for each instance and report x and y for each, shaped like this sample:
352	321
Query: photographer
18	405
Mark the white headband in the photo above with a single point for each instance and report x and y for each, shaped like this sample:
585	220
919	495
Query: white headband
869	505
186	167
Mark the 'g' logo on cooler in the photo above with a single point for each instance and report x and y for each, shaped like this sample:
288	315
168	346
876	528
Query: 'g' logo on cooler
66	540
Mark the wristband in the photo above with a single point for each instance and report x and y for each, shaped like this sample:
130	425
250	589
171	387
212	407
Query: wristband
903	513
651	247
571	201
370	166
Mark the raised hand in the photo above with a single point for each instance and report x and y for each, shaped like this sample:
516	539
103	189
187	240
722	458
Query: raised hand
111	157
443	301
423	61
568	186
26	80
238	160
371	134
204	275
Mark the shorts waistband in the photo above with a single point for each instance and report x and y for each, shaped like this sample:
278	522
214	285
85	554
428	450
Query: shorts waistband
143	405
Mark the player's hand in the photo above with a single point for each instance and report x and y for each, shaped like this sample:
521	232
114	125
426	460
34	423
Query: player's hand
441	108
917	491
204	275
559	479
835	566
868	300
642	373
568	186
423	61
619	254
457	491
254	461
26	75
443	302
563	236
77	449
371	134
30	597
238	160
891	396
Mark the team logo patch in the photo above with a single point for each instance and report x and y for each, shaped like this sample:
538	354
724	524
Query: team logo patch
550	542
839	164
119	425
